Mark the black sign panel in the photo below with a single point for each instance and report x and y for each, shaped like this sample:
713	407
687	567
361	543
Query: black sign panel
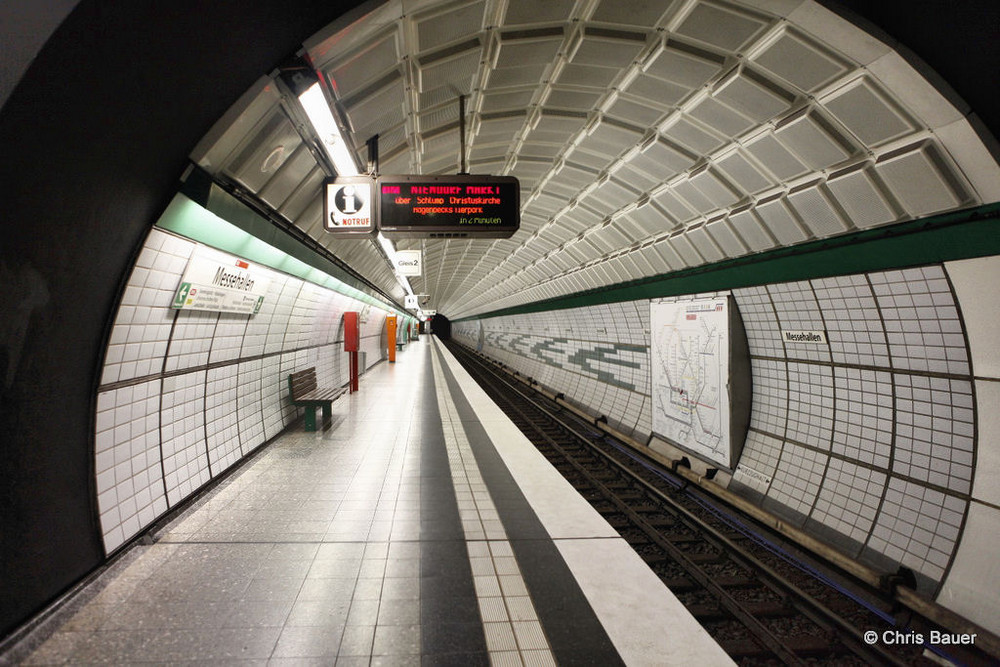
449	206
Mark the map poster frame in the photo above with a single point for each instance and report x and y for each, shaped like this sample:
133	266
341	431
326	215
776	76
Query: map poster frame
699	376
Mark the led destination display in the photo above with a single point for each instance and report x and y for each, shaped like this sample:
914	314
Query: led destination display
449	206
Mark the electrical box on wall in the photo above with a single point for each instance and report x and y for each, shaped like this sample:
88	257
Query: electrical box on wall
352	333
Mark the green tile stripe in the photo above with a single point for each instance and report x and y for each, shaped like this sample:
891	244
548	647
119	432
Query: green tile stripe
233	228
964	234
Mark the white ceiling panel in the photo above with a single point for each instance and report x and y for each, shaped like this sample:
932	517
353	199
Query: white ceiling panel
753	95
609	48
611	139
751	230
684	65
692	136
436	28
921	180
720	117
661	258
693	197
663	159
514	77
521	12
612	195
866	112
817	211
739	169
813	139
675	207
507	100
776	214
770	154
801	62
651	220
587	76
705	245
593	159
630	112
609	239
722	26
632	12
715	188
454	73
352	72
375	113
678	252
574	175
862	199
308	192
657	92
516	49
573	99
703	129
636	179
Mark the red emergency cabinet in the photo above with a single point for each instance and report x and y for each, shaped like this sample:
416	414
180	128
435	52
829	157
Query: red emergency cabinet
352	333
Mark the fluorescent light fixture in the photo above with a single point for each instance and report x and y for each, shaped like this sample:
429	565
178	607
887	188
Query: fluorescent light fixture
318	111
315	105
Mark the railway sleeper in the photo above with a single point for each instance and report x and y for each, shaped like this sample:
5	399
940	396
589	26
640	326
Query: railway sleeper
659	521
680	585
706	557
803	646
712	613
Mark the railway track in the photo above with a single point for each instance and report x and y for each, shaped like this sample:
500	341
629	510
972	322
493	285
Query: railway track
763	600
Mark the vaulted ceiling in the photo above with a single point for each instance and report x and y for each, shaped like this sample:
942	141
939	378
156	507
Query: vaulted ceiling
648	135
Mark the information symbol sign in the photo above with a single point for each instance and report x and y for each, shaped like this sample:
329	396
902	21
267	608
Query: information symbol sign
348	206
349	199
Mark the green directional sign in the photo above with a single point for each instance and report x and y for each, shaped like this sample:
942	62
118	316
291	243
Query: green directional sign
182	295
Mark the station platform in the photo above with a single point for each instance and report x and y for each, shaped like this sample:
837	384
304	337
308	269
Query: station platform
419	527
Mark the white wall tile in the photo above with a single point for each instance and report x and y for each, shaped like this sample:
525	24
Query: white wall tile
238	404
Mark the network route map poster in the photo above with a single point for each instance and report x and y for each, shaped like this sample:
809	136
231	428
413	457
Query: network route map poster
689	374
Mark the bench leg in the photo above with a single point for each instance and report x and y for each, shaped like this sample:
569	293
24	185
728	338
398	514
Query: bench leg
311	417
327	413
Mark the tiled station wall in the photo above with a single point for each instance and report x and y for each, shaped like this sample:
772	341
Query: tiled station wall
186	394
869	440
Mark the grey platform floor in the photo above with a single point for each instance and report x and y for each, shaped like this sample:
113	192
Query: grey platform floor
418	528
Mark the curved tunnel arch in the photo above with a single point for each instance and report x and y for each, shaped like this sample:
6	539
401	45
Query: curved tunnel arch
131	91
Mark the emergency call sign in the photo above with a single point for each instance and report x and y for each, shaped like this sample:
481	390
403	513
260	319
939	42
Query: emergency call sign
349	206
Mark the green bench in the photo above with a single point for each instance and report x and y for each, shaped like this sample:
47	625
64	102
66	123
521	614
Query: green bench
303	392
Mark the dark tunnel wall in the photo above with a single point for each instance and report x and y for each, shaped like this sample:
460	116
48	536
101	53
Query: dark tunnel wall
95	136
441	327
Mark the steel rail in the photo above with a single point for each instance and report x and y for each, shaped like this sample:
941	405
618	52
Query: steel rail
891	583
849	637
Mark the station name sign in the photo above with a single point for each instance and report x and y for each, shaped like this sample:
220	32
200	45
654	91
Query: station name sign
448	206
804	336
218	282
